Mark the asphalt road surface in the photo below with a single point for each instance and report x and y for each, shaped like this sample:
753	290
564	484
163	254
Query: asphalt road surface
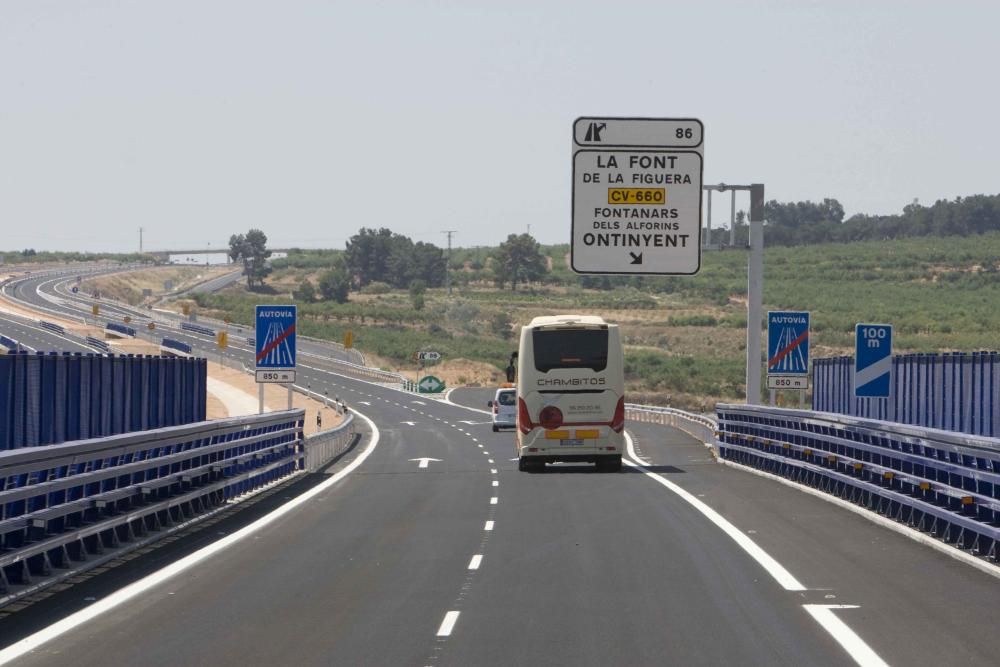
35	338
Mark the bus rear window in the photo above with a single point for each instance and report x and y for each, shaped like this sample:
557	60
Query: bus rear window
570	348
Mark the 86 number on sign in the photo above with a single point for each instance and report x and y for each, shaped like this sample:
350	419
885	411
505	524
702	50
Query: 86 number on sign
684	133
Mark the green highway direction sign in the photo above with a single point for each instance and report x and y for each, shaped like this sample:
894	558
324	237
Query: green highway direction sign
430	385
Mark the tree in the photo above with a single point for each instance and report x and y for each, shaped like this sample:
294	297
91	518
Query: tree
306	292
393	258
367	255
417	289
428	263
518	259
252	250
334	285
256	241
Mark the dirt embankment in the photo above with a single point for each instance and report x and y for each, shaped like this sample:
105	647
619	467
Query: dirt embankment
128	286
275	397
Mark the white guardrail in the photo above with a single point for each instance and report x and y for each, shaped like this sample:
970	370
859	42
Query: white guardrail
325	446
701	427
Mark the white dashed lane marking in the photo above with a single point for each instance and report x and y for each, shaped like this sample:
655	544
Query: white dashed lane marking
448	624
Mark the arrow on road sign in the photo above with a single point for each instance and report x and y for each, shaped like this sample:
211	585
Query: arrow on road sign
424	461
364	402
636	259
430	385
409	423
418	402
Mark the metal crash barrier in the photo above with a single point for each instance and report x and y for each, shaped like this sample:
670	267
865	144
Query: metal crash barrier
62	507
939	482
323	447
698	426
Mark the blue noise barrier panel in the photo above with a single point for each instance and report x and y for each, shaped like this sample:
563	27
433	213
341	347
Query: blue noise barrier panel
958	391
51	398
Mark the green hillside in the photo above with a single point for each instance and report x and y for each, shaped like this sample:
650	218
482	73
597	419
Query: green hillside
685	336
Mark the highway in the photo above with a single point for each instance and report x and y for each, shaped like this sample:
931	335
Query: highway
35	338
51	293
212	285
676	560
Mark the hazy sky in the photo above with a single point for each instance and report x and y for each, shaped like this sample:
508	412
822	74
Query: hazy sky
309	120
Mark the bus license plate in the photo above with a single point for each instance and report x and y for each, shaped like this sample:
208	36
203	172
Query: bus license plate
571	443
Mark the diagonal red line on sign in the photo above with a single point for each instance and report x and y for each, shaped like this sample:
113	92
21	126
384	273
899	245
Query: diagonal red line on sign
791	346
274	343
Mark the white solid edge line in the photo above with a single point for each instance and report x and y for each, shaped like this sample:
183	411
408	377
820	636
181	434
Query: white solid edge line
447	400
476	560
895	526
773	567
630	448
847	638
488	526
448	624
123	595
854	645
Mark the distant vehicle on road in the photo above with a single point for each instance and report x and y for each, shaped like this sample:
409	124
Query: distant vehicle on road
504	407
570	377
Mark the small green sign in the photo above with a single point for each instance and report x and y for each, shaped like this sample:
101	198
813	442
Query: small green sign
430	385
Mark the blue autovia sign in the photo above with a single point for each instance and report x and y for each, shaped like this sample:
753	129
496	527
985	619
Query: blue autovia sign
787	343
872	360
275	337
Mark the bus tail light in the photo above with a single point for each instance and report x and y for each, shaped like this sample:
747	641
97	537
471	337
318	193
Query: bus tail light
523	420
618	421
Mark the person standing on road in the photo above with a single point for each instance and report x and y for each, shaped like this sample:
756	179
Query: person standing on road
319	420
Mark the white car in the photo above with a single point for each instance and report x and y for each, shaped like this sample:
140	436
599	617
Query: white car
504	406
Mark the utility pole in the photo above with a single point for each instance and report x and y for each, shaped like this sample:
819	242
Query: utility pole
447	265
140	240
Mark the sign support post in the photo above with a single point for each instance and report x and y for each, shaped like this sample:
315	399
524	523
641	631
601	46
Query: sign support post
260	398
755	292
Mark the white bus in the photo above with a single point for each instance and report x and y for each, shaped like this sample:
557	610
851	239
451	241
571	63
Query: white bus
570	392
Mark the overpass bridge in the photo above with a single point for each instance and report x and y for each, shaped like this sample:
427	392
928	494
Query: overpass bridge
677	560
